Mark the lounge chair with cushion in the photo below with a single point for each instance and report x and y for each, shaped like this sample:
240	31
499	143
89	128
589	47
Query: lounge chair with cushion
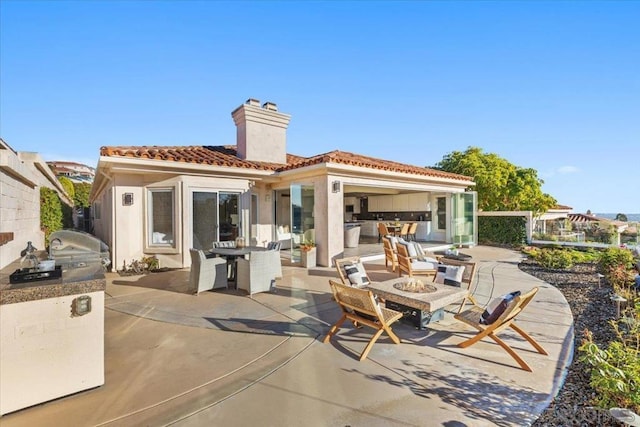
390	254
360	306
411	265
487	326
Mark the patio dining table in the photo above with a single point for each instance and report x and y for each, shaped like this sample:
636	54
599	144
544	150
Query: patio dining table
231	254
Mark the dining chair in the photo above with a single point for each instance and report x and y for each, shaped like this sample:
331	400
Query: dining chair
404	231
382	231
411	234
258	273
206	273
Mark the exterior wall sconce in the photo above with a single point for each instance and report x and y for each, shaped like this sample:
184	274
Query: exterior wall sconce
335	186
127	199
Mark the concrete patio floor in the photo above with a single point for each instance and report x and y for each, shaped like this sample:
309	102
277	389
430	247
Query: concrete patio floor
222	358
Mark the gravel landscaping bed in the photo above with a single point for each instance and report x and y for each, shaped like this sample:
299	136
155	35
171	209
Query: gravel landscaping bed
592	309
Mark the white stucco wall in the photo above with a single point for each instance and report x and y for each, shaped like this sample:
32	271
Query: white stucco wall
124	228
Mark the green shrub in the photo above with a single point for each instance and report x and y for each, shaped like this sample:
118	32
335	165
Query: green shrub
615	371
554	259
50	212
614	263
509	230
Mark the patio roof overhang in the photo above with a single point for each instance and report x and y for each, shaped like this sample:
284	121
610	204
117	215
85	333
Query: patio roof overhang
358	178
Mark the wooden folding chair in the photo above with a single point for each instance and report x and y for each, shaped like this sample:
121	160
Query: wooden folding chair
473	317
359	306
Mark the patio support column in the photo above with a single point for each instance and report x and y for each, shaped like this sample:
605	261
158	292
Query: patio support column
329	219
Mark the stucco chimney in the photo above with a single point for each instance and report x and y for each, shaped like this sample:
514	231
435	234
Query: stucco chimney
261	132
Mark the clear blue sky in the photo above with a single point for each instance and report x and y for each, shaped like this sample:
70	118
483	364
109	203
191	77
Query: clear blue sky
554	86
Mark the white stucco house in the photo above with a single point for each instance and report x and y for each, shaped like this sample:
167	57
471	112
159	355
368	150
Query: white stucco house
151	200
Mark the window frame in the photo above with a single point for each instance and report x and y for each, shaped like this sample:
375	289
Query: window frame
149	246
441	215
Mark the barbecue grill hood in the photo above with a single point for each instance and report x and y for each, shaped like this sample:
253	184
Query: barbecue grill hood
75	249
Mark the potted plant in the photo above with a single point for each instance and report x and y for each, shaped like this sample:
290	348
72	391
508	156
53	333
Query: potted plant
308	254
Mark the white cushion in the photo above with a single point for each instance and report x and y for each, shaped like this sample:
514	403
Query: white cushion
423	265
394	242
411	248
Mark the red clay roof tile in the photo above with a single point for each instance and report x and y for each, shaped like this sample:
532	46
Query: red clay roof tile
226	155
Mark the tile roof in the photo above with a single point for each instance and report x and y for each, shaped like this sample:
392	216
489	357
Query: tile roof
562	207
226	155
579	217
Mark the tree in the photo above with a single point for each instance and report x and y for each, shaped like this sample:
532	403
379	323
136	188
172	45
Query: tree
501	185
81	196
621	217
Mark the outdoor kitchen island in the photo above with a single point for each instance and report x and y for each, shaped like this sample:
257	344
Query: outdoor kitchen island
51	336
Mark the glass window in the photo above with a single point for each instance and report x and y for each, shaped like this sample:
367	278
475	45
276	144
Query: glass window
441	213
160	217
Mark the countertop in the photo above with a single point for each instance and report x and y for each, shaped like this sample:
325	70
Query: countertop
75	281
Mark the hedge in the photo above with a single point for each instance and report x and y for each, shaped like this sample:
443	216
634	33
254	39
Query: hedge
502	230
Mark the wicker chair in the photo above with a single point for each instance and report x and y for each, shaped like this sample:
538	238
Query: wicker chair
275	246
206	273
225	244
258	273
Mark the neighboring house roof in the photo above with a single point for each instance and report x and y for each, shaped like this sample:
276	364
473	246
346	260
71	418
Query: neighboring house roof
561	208
227	156
584	218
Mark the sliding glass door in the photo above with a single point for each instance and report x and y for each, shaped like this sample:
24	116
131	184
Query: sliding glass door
302	220
215	217
463	220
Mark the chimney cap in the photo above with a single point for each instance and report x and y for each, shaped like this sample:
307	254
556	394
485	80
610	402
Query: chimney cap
253	101
271	106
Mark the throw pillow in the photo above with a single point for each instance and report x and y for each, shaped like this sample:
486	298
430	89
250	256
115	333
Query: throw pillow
496	307
449	275
356	274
